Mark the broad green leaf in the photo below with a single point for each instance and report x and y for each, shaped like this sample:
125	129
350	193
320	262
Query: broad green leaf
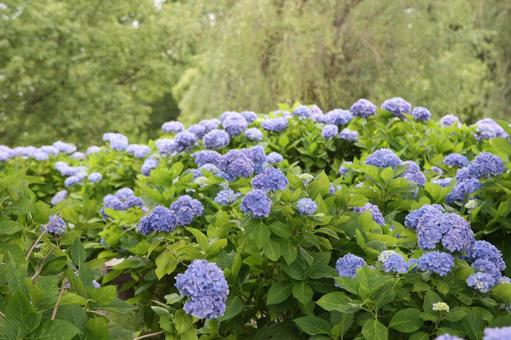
166	263
339	301
278	292
313	325
261	235
302	292
78	254
406	320
202	240
272	250
56	330
374	330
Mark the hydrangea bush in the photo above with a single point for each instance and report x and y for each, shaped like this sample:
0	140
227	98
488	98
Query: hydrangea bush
373	222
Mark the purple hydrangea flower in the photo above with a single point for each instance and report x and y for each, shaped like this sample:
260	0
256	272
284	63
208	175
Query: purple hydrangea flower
486	266
413	218
258	157
275	124
436	262
462	190
274	158
79	156
256	203
455	160
383	158
254	134
452	230
149	164
486	251
92	149
363	108
227	197
329	131
421	114
161	219
236	164
75	179
198	130
184	140
234	124
270	179
343	170
59	197
393	262
306	206
482	282
42	156
375	212
172	127
497	333
205	286
397	106
117	141
209	124
56	225
166	146
349	135
207	157
249	116
302	112
50	150
443	182
65	147
185	209
413	173
95	177
347	265
437	170
449	120
486	165
138	150
339	117
487	128
216	139
122	200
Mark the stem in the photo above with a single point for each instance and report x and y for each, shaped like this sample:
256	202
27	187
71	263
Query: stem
150	335
34	244
39	268
59	299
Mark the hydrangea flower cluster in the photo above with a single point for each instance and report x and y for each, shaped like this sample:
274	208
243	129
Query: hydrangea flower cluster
186	209
383	158
161	219
227	197
271	179
274	158
95	177
329	131
234	123
363	108
450	120
123	199
487	128
117	141
172	127
448	337
455	160
397	106
487	263
375	212
338	117
421	114
256	203
498	333
205	286
235	164
306	206
413	173
148	165
302	112
56	225
437	262
59	197
347	265
254	134
392	262
275	125
138	150
216	139
349	135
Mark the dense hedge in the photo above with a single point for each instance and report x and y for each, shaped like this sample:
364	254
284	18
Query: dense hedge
362	223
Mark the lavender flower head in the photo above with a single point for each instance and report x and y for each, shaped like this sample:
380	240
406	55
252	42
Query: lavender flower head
375	212
482	282
184	140
349	135
172	127
256	203
216	139
56	225
198	130
205	286
455	160
95	177
92	149
421	114
397	106
148	165
329	131
487	128
138	150
339	117
413	173
392	262
275	125
270	179
65	147
254	134
249	116
413	218
497	333
227	197
161	219
306	206
207	157
165	146
236	164
75	179
363	108
484	250
274	158
462	190
436	262
383	158
258	157
486	165
450	120
234	124
59	197
347	265
186	209
302	112
117	141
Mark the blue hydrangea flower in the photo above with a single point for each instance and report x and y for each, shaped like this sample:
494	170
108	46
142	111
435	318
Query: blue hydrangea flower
172	127
75	179
117	141
339	117
421	114
198	130
329	131
462	190
397	106
216	139
236	164
275	125
138	150
413	218
79	156
59	197
436	262
443	182
482	282
95	177
227	197
319	117
349	135
256	203
413	173
487	128
270	179
185	209
184	140
302	112
65	147
205	286
148	165
392	262
249	116
449	120
486	266
375	212
458	236
56	225
462	174
347	265
209	124
42	156
123	199
343	170
455	160
383	158
258	157
437	170
234	124
487	251
161	219
306	206
207	157
497	333
274	158
254	134
92	149
166	146
486	165
363	108
50	150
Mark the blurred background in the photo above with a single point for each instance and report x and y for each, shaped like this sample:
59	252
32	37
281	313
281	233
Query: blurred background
73	69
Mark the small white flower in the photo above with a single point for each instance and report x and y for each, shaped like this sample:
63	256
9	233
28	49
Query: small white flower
472	204
440	307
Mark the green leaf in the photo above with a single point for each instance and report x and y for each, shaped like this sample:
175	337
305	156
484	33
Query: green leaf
261	235
456	314
202	239
313	325
320	185
288	250
21	315
502	292
8	227
234	307
166	263
419	336
56	330
406	320
339	301
387	174
272	250
281	229
374	330
283	140
302	292
78	254
278	292
182	321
